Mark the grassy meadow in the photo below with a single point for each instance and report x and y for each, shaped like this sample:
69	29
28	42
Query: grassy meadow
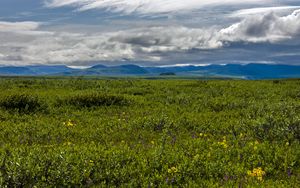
149	133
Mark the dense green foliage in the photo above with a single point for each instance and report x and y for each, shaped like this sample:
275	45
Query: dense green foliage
149	133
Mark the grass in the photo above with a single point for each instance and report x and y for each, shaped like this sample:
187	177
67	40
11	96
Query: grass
149	133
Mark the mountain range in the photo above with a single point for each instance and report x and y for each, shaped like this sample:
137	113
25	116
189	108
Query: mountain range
241	71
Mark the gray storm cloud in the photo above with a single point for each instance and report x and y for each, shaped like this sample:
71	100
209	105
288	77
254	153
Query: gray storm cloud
31	45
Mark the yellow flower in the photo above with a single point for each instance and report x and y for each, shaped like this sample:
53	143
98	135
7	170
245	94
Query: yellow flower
223	143
172	170
203	135
69	123
257	172
152	142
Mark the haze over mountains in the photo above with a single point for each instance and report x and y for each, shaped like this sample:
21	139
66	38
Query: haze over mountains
246	71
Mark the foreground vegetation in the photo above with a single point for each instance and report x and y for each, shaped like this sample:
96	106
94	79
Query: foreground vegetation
139	133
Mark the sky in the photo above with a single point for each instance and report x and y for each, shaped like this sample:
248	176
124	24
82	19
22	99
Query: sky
149	32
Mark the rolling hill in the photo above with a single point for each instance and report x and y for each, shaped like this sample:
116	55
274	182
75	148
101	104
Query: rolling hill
245	71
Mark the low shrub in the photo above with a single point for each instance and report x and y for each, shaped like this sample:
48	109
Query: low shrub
22	103
94	100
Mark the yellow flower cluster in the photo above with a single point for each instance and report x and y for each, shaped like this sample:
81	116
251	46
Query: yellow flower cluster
257	172
203	135
69	123
223	143
172	170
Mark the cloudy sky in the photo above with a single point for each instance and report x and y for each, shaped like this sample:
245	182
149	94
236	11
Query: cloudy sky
149	32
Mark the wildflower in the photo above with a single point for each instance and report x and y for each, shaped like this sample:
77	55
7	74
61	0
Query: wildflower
152	142
203	135
69	123
223	143
257	172
289	172
172	170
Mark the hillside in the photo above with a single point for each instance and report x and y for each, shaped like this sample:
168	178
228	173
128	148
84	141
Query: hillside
248	71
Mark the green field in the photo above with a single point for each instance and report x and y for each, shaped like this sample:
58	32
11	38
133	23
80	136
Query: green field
149	133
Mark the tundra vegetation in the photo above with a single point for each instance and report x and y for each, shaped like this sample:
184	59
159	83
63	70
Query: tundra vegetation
149	133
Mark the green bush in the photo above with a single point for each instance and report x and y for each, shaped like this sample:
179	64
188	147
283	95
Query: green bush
94	100
22	103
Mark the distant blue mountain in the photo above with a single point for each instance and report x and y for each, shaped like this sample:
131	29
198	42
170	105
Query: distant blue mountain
257	71
49	69
15	71
248	71
119	70
34	70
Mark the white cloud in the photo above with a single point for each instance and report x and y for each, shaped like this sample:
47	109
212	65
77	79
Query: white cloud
147	6
148	43
18	26
262	10
139	44
266	28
